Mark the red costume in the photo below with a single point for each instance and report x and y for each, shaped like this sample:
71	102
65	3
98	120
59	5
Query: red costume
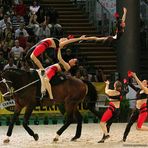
51	71
41	47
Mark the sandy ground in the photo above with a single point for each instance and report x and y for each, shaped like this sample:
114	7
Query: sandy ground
91	134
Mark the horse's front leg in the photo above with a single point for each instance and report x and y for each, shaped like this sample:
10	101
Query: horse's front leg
13	120
27	115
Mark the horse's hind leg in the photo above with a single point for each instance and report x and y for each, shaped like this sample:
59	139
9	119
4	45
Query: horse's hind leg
78	117
64	127
69	119
13	120
27	115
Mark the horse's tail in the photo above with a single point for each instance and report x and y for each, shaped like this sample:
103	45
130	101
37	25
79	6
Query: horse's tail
91	98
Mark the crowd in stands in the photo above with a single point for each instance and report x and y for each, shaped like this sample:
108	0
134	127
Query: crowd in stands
23	25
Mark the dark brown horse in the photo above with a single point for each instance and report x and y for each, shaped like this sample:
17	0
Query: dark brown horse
70	92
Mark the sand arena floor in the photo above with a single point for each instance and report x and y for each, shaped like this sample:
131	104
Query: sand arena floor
91	134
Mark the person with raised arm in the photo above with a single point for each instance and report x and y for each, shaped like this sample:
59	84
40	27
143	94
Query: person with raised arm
112	112
140	113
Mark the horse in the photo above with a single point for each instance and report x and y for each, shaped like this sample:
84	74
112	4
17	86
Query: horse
70	92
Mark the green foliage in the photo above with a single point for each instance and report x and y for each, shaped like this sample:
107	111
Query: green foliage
36	120
7	118
46	119
54	120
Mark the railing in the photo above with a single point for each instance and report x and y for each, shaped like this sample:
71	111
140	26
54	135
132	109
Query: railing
98	15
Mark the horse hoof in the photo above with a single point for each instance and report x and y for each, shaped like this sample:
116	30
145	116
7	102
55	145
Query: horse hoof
6	141
101	141
36	137
74	139
55	139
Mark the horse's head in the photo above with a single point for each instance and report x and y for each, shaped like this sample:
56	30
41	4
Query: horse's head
10	79
13	80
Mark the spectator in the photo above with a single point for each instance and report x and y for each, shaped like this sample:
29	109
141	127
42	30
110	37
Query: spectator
78	74
3	23
56	31
92	73
7	30
10	64
16	21
3	61
16	2
53	14
16	52
20	8
34	8
52	22
42	14
10	11
6	50
96	74
43	32
100	77
1	13
68	55
81	73
7	4
22	40
21	29
9	40
23	65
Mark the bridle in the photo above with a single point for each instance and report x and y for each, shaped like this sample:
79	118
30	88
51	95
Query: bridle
9	89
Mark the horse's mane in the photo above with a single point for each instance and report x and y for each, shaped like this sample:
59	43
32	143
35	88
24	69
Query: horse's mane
12	70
